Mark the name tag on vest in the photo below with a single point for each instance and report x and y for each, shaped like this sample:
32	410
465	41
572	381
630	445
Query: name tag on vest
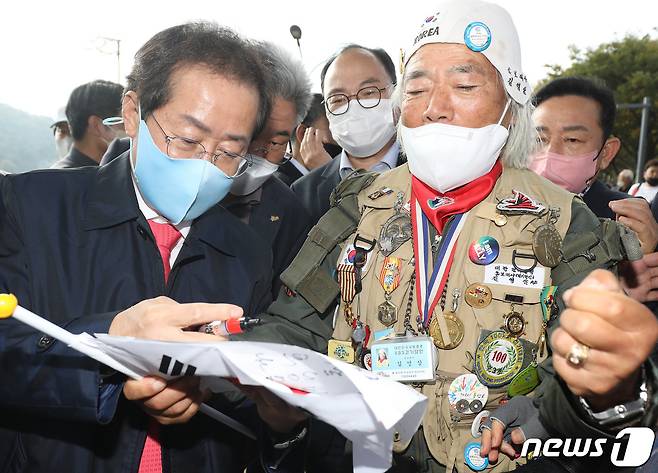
508	275
405	359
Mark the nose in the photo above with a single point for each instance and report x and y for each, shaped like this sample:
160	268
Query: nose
553	146
439	108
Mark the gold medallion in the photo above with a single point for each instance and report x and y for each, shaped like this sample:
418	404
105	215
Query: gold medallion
514	323
500	220
455	332
478	296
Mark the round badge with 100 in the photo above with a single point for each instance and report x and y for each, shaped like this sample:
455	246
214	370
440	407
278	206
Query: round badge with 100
498	358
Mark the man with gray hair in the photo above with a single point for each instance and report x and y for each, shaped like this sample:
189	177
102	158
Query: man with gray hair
257	197
454	263
624	180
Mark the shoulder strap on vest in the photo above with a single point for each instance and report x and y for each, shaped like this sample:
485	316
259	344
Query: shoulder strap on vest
305	275
603	247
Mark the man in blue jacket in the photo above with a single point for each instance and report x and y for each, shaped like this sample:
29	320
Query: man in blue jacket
138	248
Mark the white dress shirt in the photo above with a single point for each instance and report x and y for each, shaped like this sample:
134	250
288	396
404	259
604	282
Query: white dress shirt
388	161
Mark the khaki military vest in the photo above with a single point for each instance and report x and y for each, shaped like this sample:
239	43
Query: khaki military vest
447	437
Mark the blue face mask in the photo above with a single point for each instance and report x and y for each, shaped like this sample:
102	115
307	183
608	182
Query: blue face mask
178	189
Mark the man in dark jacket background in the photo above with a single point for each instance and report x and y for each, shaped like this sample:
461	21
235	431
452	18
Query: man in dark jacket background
357	84
88	105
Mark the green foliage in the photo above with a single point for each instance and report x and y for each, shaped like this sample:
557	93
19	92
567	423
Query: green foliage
630	67
26	141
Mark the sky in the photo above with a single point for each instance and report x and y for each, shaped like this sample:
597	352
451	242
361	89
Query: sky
48	48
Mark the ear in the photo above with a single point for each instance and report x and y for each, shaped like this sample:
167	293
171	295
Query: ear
299	132
610	150
130	113
95	125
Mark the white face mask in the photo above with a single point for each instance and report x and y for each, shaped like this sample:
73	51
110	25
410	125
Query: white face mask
63	146
447	156
254	177
362	132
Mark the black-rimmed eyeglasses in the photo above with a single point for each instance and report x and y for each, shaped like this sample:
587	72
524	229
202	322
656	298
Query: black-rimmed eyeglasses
367	97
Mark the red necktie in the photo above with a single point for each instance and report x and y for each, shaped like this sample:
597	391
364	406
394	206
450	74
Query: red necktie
166	236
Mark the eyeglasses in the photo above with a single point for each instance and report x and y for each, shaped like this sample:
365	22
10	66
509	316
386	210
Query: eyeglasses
274	147
368	97
179	147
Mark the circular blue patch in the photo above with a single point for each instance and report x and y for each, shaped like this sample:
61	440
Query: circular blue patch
473	459
477	36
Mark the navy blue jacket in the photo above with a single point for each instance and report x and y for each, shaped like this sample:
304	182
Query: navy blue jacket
278	217
75	249
598	196
314	189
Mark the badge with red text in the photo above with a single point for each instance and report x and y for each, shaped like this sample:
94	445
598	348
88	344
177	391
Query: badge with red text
478	296
520	203
484	250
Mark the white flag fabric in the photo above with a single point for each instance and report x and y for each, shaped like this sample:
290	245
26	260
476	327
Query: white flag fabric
364	407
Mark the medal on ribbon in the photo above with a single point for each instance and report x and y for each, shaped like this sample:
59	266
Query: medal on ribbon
347	283
389	278
430	286
548	310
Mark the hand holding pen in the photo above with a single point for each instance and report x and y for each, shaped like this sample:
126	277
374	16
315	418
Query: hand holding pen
225	328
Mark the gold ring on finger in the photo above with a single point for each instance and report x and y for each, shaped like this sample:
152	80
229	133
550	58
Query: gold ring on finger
578	354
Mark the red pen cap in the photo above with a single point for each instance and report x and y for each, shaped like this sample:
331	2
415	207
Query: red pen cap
233	326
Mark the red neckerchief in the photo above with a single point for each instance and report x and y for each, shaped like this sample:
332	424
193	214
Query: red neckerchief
456	201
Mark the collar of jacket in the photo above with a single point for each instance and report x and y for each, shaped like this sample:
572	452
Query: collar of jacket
332	167
111	201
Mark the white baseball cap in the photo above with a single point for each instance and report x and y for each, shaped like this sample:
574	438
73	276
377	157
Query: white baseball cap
60	117
483	27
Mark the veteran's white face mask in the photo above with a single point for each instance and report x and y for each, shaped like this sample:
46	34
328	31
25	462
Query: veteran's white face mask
448	156
362	132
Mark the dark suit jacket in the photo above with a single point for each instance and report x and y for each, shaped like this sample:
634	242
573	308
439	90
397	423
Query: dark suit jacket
117	147
314	189
278	217
75	249
599	196
288	173
75	159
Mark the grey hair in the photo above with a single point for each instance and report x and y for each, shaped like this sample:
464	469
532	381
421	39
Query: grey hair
627	172
522	140
286	78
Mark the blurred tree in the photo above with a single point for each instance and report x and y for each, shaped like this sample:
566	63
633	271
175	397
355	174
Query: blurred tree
630	67
26	141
